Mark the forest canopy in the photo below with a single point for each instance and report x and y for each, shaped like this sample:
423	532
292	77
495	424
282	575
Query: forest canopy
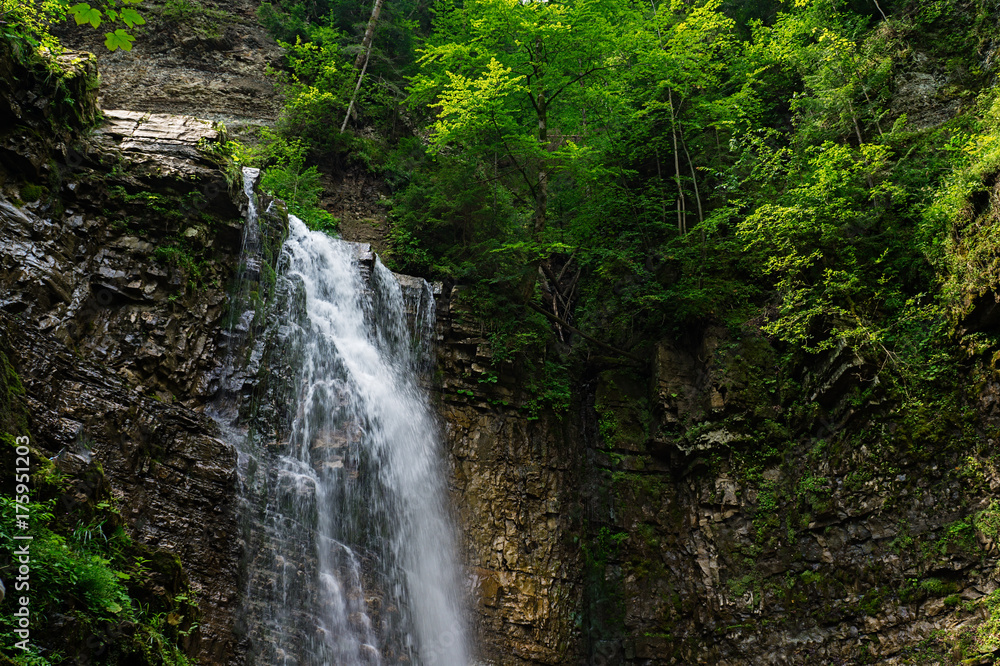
599	174
604	173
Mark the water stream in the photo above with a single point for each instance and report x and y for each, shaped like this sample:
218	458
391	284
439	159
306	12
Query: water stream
351	555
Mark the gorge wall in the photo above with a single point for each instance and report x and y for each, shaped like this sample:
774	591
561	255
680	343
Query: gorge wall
116	253
639	528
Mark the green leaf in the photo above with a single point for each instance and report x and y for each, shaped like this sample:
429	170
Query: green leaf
131	17
119	39
84	13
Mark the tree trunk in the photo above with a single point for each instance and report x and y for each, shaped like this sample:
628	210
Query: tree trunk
366	43
694	181
361	62
354	96
527	286
681	204
542	192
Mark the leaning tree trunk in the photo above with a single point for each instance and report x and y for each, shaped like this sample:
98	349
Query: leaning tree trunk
542	191
366	43
361	62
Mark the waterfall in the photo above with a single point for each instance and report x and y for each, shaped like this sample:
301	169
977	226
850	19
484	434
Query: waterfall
351	559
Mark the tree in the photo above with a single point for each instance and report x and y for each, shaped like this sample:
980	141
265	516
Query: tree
364	55
509	80
570	104
681	89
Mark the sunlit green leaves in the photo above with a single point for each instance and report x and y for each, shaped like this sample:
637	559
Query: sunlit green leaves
471	106
119	39
131	17
84	13
813	239
31	19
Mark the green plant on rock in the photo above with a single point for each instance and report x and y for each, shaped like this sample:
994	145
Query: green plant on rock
316	92
190	10
87	579
988	633
300	188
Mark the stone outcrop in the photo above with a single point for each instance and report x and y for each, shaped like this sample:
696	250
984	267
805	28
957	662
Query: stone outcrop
166	465
515	486
116	265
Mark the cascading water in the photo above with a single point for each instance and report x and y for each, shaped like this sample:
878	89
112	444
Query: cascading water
351	549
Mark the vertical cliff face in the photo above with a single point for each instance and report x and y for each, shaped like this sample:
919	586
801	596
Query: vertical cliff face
116	253
678	514
516	489
519	490
163	465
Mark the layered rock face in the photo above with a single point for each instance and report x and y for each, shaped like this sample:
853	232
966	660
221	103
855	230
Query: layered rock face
642	527
165	464
205	59
516	489
113	274
117	266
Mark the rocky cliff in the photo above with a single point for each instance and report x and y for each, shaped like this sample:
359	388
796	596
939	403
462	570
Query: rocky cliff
116	255
658	521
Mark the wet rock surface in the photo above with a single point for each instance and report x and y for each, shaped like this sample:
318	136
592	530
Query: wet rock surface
114	265
166	465
516	488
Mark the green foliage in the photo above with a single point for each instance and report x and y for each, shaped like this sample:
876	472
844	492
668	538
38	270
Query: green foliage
988	633
31	20
299	187
84	574
186	10
286	26
119	39
964	232
13	414
32	192
549	390
504	76
400	26
316	92
987	521
443	227
813	241
872	603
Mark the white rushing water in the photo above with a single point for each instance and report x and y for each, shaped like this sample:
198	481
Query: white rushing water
360	565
